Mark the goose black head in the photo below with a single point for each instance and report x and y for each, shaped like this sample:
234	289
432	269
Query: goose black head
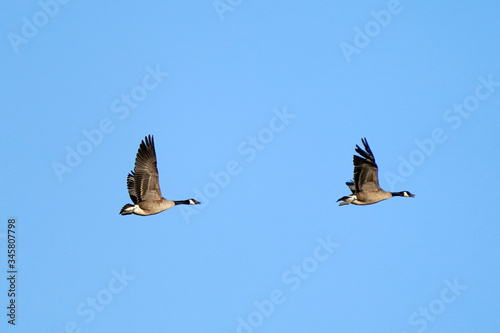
194	202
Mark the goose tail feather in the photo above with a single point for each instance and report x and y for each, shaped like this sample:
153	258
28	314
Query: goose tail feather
127	209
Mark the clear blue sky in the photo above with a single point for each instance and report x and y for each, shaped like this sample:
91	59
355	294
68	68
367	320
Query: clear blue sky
256	108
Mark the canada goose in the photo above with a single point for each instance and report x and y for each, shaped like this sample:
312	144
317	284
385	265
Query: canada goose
365	188
143	186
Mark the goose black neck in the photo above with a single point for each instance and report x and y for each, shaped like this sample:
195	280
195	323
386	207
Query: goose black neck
182	202
398	194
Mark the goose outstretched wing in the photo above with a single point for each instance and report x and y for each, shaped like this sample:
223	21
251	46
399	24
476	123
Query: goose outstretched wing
365	169
146	186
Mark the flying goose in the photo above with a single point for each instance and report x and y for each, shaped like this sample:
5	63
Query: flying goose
365	188
143	186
